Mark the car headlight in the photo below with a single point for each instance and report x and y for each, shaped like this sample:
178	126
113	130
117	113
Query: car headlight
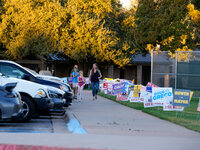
55	94
64	88
61	87
41	93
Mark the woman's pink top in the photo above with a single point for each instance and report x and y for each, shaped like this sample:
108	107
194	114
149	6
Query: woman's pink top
81	82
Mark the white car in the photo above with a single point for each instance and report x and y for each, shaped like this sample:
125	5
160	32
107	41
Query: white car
36	98
14	70
45	76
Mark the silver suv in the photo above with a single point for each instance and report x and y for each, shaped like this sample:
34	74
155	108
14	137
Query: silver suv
10	103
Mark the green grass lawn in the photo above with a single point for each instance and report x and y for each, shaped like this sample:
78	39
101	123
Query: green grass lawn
188	118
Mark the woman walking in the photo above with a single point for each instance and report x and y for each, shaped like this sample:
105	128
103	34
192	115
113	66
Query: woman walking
81	80
94	77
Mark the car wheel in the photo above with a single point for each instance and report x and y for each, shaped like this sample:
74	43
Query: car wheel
28	108
67	105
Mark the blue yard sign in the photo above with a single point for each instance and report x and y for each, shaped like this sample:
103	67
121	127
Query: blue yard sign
181	98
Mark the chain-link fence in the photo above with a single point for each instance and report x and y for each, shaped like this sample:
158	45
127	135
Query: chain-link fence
163	69
180	70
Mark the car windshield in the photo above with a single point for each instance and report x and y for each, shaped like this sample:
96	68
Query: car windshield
31	72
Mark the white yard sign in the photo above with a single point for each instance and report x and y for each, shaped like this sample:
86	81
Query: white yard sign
159	95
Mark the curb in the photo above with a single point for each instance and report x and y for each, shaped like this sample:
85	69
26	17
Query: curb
73	124
33	147
66	116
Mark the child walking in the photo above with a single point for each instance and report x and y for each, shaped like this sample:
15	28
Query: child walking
81	80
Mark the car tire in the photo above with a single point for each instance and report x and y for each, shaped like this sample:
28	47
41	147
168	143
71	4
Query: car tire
66	105
28	109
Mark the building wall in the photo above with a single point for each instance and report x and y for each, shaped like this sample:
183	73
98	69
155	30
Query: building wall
146	74
110	71
116	72
130	73
104	72
35	65
62	69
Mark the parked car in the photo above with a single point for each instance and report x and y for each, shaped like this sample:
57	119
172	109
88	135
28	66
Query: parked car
12	69
45	72
58	99
36	98
47	76
65	87
10	103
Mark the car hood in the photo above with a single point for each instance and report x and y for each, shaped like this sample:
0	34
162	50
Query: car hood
51	82
51	88
51	78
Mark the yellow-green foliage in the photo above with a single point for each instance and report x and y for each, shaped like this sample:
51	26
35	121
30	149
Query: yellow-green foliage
87	35
30	27
194	14
194	18
96	30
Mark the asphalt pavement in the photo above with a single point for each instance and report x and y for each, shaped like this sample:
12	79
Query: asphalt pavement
43	124
104	124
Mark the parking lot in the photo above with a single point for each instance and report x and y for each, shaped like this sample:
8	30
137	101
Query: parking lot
43	124
106	127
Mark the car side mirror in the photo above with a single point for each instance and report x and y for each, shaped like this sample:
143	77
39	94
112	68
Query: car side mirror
26	77
10	86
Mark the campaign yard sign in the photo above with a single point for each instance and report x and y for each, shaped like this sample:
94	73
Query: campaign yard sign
121	97
87	80
159	95
105	86
142	93
149	89
147	99
151	84
118	88
126	88
131	98
108	86
168	106
135	93
69	80
65	80
181	98
136	90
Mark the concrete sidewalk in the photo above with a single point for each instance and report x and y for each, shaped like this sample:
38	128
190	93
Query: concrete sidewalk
104	116
113	126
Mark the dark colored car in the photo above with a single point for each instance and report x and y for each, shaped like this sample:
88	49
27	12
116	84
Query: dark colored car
10	103
23	73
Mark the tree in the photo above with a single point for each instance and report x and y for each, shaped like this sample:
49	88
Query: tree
84	31
162	22
92	32
193	17
30	28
